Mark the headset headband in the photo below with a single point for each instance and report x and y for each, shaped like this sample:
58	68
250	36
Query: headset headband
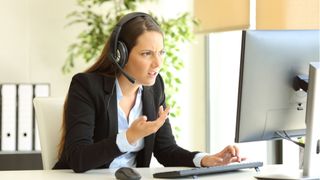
117	29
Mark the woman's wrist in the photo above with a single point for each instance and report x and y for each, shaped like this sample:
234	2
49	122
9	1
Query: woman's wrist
130	137
202	162
198	157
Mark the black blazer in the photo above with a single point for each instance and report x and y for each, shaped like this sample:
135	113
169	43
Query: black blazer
92	126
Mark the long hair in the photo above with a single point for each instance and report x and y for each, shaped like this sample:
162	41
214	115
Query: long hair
129	34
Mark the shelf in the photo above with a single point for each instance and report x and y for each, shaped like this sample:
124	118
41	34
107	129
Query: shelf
17	160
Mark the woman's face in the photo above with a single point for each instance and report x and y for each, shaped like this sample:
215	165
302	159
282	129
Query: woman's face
145	58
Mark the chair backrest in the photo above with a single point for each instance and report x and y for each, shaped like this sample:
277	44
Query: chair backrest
48	111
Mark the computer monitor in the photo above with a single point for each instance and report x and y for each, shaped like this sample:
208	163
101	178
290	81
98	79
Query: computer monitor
267	101
268	105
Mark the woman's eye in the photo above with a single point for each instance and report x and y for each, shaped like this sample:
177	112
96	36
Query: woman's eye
162	53
146	53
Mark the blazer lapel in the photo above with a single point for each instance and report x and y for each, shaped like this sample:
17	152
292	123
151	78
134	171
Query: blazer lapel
111	105
150	110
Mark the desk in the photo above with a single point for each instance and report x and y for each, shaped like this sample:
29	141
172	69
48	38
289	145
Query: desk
146	173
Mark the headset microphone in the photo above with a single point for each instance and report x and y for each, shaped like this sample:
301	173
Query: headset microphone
130	78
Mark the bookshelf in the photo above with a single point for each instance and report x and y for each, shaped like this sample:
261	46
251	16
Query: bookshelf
19	139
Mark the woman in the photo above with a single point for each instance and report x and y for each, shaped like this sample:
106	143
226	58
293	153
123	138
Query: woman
115	113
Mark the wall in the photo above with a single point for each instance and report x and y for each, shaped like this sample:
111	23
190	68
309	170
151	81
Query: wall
224	64
34	43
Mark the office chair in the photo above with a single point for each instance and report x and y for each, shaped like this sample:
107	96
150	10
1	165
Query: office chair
48	111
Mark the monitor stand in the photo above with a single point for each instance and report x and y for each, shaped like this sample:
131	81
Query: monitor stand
311	159
285	177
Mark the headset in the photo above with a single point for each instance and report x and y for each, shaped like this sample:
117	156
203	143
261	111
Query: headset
118	50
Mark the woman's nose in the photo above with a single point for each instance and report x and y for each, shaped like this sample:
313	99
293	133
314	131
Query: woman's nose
157	60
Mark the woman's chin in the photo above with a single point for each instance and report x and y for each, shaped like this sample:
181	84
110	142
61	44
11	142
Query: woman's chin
148	83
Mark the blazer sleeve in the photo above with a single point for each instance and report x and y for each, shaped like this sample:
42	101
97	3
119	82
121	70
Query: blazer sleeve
167	152
81	152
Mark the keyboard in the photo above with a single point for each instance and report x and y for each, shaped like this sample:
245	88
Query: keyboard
208	170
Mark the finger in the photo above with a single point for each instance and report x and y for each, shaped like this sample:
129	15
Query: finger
234	159
239	159
160	110
236	149
164	114
158	122
243	158
229	151
237	153
166	111
142	118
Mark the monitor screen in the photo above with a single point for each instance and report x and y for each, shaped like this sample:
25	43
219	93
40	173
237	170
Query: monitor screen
267	101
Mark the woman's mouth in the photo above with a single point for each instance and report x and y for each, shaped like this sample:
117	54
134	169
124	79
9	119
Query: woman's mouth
153	73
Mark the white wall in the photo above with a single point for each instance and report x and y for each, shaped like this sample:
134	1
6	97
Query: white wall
192	97
224	62
34	43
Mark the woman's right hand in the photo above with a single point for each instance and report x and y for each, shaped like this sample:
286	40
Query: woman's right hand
228	155
141	128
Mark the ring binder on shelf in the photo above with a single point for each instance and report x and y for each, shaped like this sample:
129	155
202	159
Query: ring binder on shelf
8	117
25	117
40	90
18	128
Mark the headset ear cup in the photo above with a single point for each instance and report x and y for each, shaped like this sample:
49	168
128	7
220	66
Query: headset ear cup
122	53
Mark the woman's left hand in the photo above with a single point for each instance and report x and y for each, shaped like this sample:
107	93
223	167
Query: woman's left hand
228	155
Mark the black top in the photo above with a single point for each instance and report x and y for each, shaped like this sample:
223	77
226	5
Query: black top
92	126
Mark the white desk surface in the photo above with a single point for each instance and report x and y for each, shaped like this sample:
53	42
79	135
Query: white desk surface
146	173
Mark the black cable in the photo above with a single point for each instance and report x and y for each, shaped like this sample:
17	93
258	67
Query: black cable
114	84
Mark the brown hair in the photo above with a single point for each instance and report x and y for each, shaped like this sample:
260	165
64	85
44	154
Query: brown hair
129	34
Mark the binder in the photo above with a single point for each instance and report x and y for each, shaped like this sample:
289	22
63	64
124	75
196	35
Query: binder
40	90
8	117
25	117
